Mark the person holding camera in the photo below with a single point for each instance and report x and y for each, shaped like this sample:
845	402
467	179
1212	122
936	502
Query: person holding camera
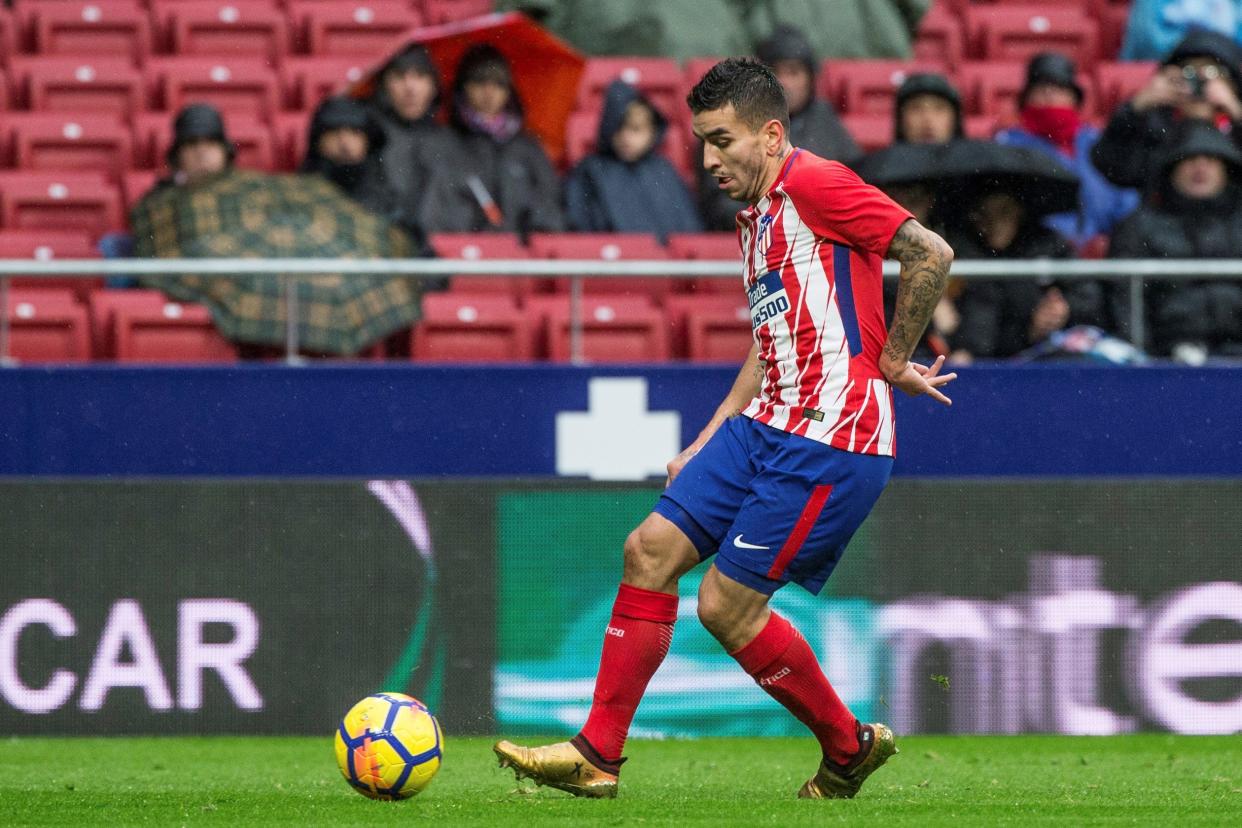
1199	80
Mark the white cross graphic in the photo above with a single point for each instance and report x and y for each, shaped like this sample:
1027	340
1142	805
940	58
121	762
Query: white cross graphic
617	438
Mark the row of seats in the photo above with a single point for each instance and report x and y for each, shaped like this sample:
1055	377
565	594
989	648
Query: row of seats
47	325
219	28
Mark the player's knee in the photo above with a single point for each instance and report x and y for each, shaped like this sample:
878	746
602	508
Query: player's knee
647	555
714	612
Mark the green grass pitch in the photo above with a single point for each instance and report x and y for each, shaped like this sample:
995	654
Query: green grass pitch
1131	780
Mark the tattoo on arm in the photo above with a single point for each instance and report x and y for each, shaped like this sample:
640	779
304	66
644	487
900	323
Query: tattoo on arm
925	260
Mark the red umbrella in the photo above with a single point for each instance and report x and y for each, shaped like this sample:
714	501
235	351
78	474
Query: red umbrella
546	71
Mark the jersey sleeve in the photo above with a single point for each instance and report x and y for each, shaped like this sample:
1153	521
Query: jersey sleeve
835	203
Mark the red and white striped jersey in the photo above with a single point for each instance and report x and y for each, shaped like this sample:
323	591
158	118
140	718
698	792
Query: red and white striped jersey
812	251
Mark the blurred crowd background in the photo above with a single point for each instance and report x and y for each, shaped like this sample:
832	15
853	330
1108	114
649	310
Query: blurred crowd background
329	128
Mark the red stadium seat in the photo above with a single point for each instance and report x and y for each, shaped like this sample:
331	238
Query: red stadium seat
290	131
357	27
47	326
872	132
102	306
90	27
615	329
1019	32
982	127
255	148
1113	21
992	88
449	11
486	327
707	327
171	332
703	246
135	184
88	141
1118	82
235	85
607	247
45	245
939	38
659	79
59	201
867	87
223	30
308	80
475	246
78	84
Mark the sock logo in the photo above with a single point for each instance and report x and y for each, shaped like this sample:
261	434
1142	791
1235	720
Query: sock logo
617	631
775	677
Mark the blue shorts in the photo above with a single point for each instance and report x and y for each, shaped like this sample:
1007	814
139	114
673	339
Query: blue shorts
773	507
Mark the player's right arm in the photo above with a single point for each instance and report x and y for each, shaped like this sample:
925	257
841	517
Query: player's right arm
745	388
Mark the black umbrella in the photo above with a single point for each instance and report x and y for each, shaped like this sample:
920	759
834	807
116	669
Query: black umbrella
902	164
1042	184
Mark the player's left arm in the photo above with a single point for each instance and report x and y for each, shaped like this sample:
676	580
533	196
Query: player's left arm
925	260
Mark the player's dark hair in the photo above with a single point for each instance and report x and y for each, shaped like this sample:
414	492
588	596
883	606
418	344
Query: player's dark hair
749	85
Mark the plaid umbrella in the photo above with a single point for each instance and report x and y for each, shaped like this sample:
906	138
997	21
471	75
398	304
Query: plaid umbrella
242	214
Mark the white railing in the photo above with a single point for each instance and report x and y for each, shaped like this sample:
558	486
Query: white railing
1133	271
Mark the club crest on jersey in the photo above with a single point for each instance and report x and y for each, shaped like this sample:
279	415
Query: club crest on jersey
767	299
764	241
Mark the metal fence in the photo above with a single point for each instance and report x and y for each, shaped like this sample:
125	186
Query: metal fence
1135	272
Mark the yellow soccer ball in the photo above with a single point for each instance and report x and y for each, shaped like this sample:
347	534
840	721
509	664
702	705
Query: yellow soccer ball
389	746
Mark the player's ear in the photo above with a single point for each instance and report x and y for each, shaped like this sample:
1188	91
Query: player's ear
773	137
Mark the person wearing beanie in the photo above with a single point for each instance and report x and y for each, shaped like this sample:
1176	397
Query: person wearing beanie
504	181
1194	211
1051	122
200	148
626	186
416	147
343	145
1200	79
927	110
813	122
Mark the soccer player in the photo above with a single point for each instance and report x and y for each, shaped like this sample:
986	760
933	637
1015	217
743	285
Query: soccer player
795	456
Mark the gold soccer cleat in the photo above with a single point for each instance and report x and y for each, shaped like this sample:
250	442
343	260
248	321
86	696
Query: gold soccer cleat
875	745
561	766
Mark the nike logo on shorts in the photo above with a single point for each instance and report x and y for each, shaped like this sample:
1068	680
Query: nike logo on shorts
741	544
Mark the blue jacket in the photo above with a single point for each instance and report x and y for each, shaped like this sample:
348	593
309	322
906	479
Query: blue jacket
1101	204
607	195
1156	26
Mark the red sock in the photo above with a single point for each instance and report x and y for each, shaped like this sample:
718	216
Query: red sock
635	644
783	664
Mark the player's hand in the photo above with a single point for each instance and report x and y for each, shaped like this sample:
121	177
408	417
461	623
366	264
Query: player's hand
678	463
915	379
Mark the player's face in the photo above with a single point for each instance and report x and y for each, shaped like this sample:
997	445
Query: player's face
740	158
1200	176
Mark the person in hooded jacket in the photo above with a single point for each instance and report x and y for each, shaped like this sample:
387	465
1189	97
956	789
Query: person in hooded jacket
1201	79
626	186
417	149
1050	107
503	179
1195	212
1000	318
813	122
927	110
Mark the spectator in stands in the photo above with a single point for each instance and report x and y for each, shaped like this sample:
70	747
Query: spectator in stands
504	180
626	186
200	148
1050	107
344	145
1200	79
928	110
1002	317
1156	26
417	147
1195	212
813	122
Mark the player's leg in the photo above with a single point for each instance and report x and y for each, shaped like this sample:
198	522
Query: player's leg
685	527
